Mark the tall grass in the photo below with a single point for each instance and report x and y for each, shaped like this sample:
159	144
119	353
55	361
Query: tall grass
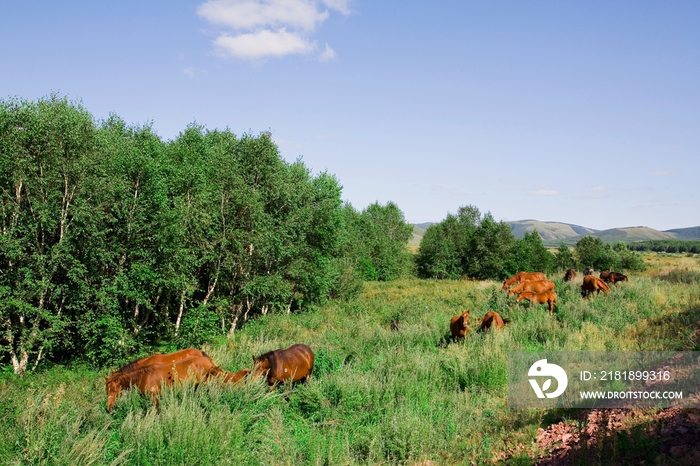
377	396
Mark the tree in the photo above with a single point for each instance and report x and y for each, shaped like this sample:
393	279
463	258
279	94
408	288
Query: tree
591	251
441	248
490	246
564	258
530	254
376	238
47	152
465	245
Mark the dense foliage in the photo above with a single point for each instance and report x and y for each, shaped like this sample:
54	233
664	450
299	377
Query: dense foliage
474	245
590	251
112	239
666	245
376	241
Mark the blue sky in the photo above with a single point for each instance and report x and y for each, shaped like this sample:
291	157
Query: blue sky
580	112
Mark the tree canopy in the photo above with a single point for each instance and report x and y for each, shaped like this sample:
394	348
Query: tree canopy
112	239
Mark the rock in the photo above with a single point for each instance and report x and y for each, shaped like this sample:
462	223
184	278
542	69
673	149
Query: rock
682	430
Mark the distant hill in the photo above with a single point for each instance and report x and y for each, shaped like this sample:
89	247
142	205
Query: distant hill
685	233
633	234
549	230
423	226
553	233
418	232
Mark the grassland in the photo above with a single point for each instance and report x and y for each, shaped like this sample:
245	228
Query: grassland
377	396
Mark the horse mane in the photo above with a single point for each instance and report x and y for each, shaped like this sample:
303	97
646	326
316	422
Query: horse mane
270	355
128	366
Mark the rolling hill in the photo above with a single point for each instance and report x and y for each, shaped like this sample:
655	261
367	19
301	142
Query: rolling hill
553	233
685	233
549	230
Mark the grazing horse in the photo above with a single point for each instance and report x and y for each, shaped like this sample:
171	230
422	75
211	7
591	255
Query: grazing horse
161	359
492	318
235	377
612	277
548	297
537	286
459	326
588	271
569	275
292	364
592	283
522	277
149	378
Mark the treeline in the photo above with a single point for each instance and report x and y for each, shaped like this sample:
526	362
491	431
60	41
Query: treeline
473	245
113	239
666	245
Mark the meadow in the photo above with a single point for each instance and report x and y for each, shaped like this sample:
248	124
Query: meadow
377	396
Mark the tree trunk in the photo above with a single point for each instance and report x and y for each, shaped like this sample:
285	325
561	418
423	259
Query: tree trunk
237	309
38	358
210	291
179	315
19	365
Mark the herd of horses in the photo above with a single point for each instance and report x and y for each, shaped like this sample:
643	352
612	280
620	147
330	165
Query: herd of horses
296	363
534	287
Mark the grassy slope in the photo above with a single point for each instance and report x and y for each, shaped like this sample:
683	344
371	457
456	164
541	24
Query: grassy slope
554	232
377	396
548	230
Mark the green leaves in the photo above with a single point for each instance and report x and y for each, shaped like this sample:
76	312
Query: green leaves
111	239
467	244
591	251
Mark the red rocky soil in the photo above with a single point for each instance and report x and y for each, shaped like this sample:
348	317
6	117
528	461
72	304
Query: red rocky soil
669	436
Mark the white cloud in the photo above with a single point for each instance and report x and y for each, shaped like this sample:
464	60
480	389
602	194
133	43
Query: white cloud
262	44
664	172
327	55
288	143
544	192
251	14
338	5
269	28
598	189
191	72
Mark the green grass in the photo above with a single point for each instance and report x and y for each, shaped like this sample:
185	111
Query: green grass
377	396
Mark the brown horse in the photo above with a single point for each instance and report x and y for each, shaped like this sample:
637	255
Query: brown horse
522	277
569	275
492	318
459	326
161	359
292	364
235	377
612	277
149	378
537	286
592	283
548	297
